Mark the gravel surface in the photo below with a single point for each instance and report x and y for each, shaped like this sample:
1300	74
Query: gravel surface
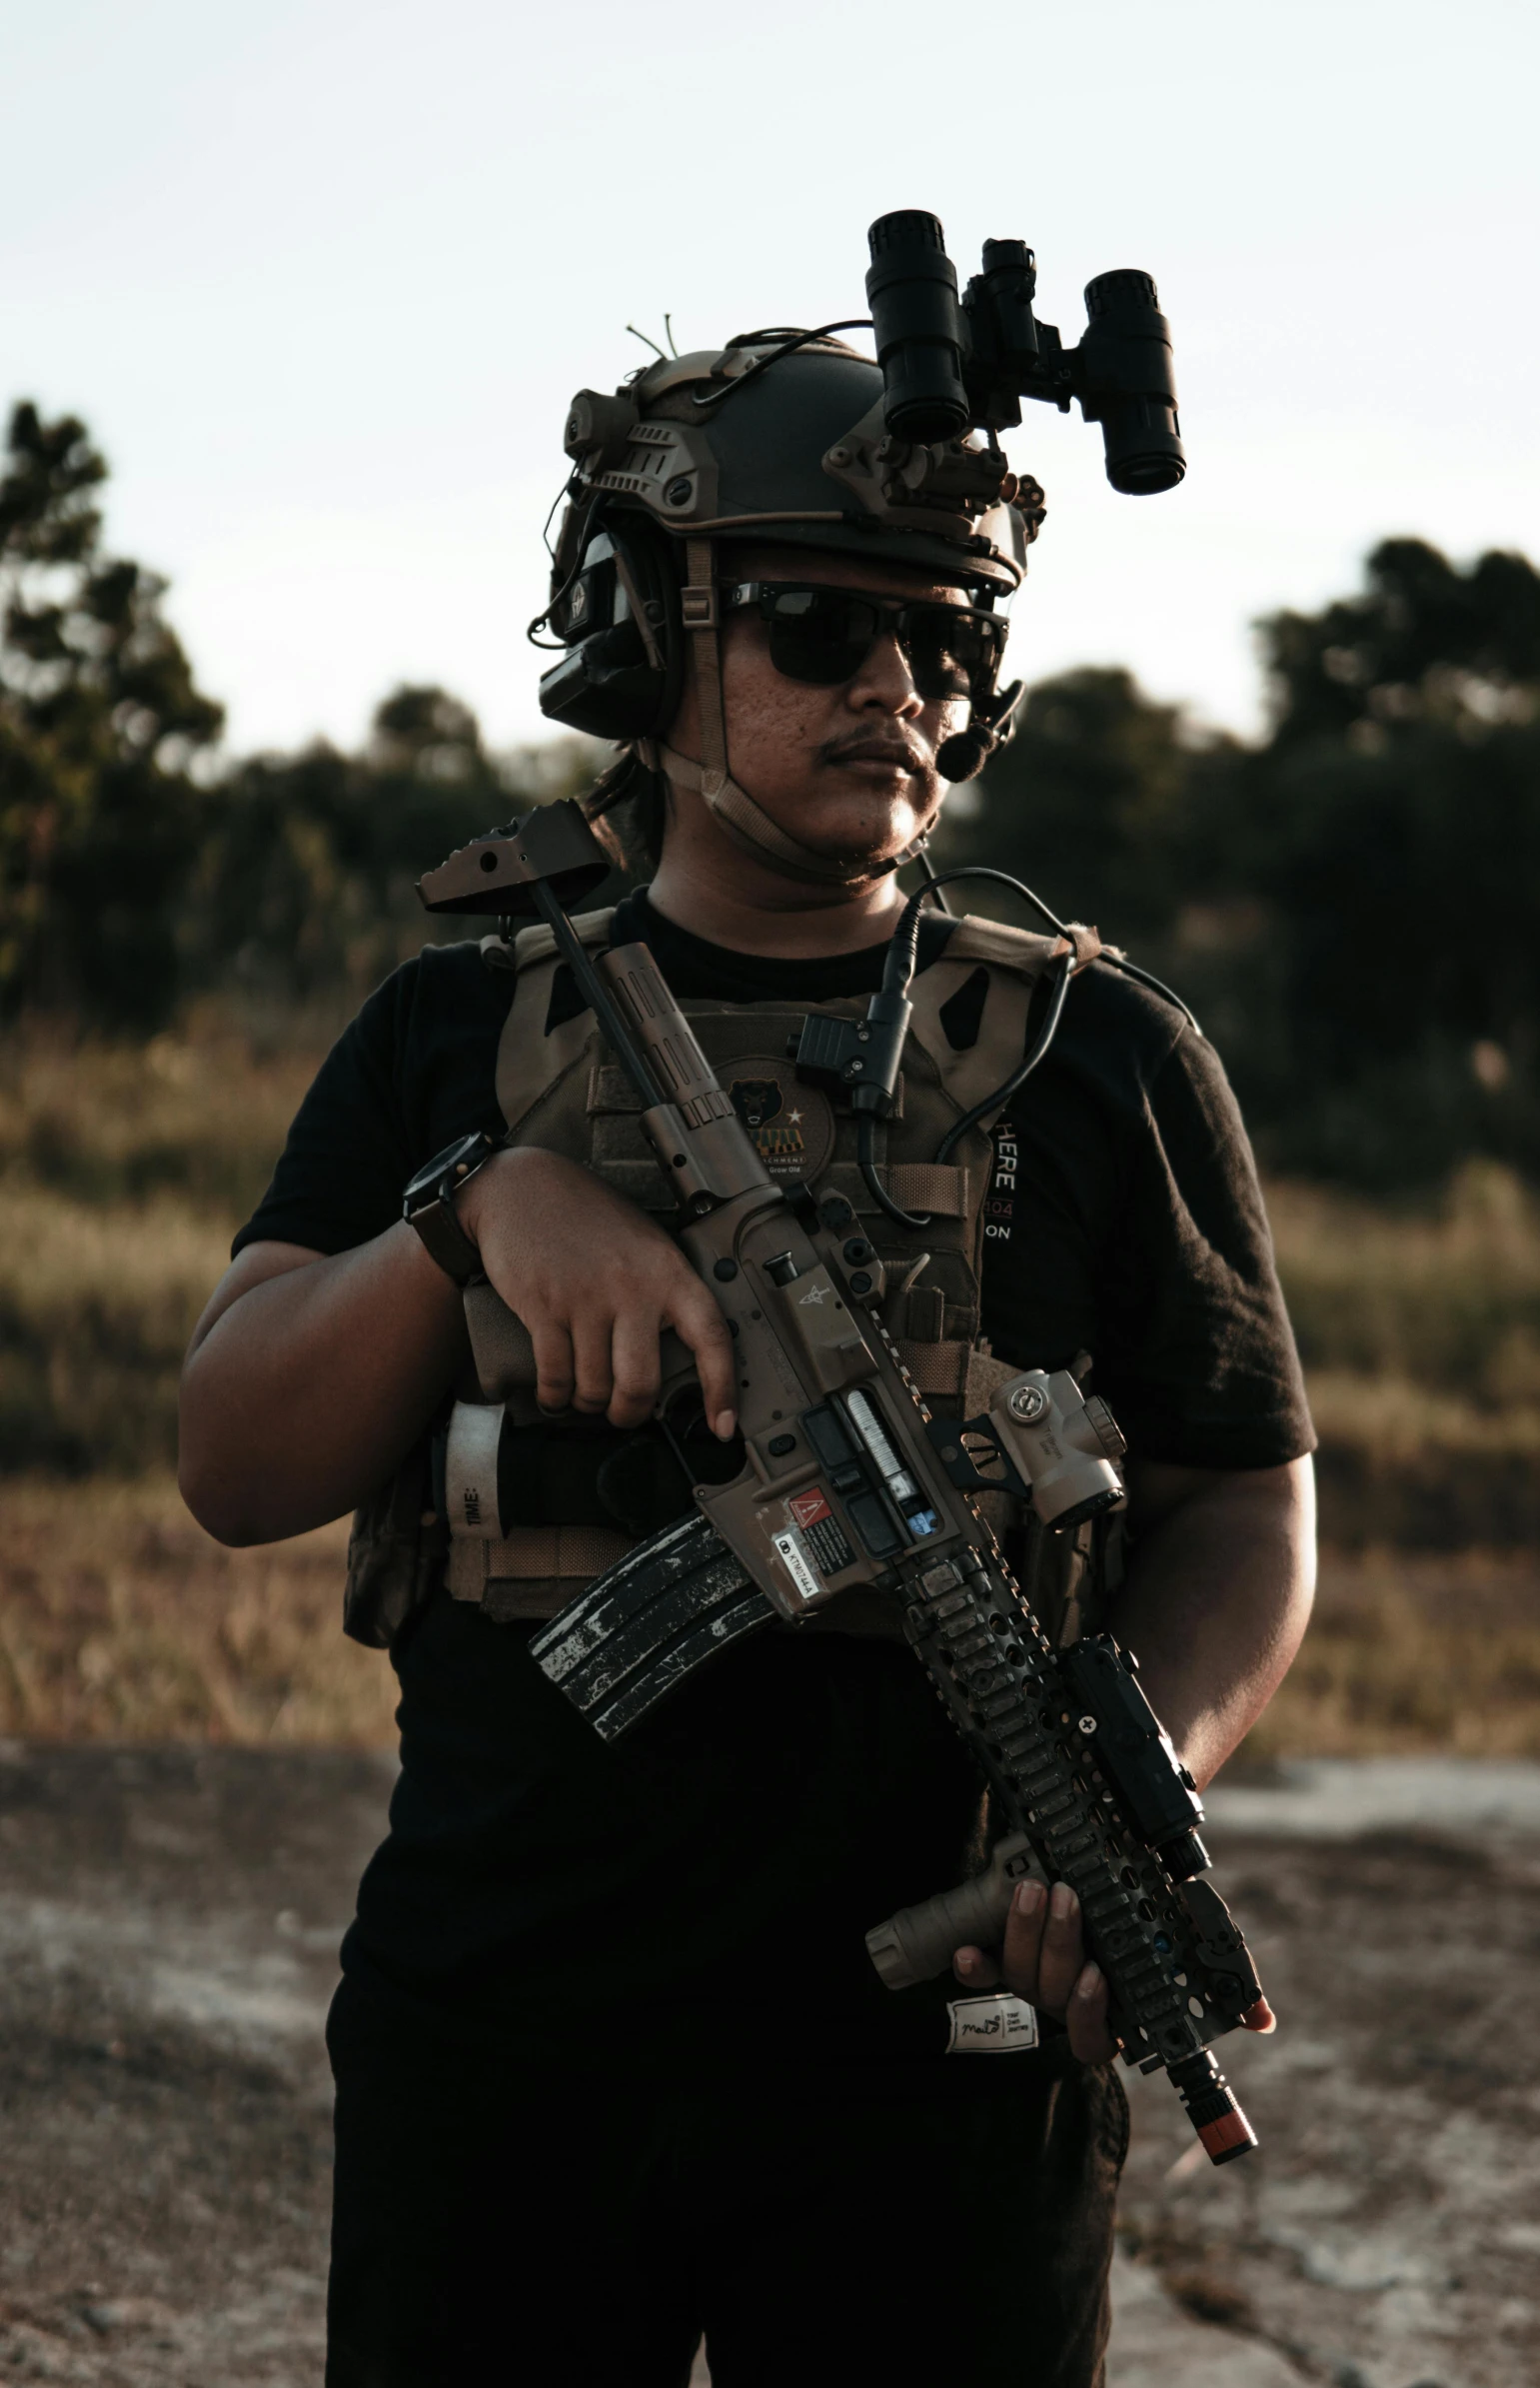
169	1921
168	1928
1385	2235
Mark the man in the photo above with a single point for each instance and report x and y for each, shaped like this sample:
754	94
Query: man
611	2065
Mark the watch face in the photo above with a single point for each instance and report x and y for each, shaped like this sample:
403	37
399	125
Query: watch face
431	1175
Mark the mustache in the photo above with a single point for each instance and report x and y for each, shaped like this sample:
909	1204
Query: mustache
871	746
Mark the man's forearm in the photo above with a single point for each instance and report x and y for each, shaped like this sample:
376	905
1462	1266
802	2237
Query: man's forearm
308	1379
1218	1597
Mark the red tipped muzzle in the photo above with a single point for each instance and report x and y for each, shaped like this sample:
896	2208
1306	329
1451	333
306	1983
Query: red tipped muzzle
1227	2136
1212	2107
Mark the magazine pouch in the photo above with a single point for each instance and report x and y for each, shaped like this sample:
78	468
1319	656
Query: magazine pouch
395	1553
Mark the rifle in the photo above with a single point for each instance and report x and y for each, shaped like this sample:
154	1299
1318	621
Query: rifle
847	1480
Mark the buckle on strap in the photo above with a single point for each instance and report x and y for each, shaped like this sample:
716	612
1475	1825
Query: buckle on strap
1084	944
697	606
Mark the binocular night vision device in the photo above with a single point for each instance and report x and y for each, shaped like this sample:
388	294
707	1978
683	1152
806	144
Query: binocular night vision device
954	363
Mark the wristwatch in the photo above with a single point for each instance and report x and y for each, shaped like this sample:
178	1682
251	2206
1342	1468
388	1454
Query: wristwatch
428	1204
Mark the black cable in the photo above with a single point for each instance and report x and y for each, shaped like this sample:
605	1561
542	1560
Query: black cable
851	322
866	1137
903	956
943	878
932	885
960	1129
1039	1045
1131	970
1116	962
571	488
899	973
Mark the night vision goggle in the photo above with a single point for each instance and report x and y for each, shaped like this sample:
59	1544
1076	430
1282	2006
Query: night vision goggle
949	362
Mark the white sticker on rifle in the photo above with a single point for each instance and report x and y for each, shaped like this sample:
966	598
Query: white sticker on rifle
794	1559
990	2026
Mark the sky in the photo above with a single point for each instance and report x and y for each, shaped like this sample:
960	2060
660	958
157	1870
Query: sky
322	277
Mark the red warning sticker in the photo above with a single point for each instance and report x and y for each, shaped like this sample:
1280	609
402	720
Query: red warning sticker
809	1508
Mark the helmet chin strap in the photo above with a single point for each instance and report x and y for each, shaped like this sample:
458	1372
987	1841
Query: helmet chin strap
746	823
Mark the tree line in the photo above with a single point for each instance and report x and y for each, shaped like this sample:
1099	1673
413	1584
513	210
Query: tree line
138	864
1349	903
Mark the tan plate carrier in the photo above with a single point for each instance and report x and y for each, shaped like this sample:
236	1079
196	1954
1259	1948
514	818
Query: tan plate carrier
560	1088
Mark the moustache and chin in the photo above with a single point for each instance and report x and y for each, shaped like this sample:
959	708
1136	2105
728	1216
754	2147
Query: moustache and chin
890	817
905	755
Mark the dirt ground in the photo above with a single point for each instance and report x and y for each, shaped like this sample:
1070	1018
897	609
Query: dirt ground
168	1929
1386	2234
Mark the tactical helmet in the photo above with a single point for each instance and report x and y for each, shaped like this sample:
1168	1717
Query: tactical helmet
778	438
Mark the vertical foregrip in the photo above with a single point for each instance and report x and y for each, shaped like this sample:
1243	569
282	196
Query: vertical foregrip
987	1657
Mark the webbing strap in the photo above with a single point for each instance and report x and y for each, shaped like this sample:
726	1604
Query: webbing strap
746	823
697	606
526	1600
531	1553
1084	942
937	1367
933	1186
956	1367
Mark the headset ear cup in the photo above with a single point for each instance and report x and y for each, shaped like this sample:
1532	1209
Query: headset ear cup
623	681
603	686
654	565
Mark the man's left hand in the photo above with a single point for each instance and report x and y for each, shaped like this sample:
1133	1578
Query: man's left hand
1043	1961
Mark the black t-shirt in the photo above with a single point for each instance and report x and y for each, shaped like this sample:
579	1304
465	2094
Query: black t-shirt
700	1892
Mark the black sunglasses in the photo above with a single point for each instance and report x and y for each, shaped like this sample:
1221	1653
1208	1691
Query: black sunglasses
823	636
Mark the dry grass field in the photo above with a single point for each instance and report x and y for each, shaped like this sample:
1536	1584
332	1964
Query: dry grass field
1420	1333
1410	1652
123	1171
120	1620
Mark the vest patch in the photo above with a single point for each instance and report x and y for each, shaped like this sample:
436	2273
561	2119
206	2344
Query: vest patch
792	1126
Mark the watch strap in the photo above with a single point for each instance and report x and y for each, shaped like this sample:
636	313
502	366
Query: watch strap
444	1239
430	1206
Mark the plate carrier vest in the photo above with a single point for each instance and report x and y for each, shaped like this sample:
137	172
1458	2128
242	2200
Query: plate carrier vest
560	1088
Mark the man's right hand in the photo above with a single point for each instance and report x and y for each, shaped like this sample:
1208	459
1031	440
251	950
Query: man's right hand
596	1283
